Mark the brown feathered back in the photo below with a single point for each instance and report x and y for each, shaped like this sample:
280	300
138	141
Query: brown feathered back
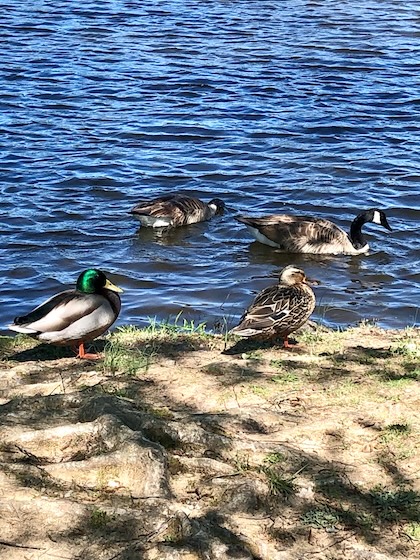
279	310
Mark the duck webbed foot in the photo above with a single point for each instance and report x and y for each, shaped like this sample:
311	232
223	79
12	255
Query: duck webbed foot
83	355
289	343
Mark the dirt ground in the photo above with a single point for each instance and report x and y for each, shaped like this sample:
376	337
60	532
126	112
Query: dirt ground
182	445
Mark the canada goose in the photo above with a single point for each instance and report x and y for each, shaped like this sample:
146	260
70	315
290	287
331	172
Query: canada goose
174	210
279	310
74	317
306	234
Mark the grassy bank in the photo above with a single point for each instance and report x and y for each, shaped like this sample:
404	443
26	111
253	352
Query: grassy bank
258	452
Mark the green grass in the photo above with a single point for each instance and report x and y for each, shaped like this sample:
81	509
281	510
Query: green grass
400	442
261	390
395	432
109	389
254	355
99	519
322	340
174	326
123	359
241	462
328	518
406	348
286	378
274	458
163	413
20	341
395	505
321	517
169	328
279	485
412	530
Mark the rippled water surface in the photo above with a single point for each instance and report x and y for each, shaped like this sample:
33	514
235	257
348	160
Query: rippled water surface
307	107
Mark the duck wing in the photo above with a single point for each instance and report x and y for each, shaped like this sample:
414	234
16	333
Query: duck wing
269	308
58	312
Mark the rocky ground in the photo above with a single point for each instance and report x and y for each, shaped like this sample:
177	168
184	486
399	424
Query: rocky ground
180	445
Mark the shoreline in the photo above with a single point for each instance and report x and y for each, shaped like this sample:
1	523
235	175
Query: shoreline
168	448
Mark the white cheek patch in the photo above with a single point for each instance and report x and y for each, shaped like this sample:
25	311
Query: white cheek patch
376	218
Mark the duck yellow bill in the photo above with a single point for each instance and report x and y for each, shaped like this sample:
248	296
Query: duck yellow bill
112	286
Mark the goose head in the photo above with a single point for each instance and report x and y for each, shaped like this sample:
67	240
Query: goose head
375	216
217	205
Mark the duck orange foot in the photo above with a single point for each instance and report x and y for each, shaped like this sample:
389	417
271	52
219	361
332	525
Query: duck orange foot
83	355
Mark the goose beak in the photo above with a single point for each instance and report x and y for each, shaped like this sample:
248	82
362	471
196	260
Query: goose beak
110	286
386	225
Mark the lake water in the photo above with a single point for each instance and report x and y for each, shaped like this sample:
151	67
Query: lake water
307	107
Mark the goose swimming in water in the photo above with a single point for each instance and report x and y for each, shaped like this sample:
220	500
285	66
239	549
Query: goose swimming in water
74	317
279	310
306	234
174	210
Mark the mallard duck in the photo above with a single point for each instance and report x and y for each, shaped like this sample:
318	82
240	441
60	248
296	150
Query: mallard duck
74	317
279	310
174	210
305	234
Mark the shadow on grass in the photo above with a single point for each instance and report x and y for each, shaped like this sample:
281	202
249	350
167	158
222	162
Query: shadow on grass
337	503
47	352
246	345
34	411
164	346
229	373
366	355
360	510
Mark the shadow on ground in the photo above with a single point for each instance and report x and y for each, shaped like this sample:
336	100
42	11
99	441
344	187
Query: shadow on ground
240	487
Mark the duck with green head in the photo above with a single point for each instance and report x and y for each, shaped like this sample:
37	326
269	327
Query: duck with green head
74	317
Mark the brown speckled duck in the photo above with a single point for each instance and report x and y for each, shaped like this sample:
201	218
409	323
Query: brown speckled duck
279	310
306	234
174	210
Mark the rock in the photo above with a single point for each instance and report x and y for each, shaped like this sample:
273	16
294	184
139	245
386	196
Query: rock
137	466
242	496
69	441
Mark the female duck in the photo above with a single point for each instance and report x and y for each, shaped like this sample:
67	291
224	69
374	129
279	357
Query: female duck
279	310
174	210
305	234
74	317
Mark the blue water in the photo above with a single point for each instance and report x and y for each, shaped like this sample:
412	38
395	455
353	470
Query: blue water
307	107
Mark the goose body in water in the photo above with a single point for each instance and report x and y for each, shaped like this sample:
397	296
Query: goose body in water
306	234
174	210
279	310
74	317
